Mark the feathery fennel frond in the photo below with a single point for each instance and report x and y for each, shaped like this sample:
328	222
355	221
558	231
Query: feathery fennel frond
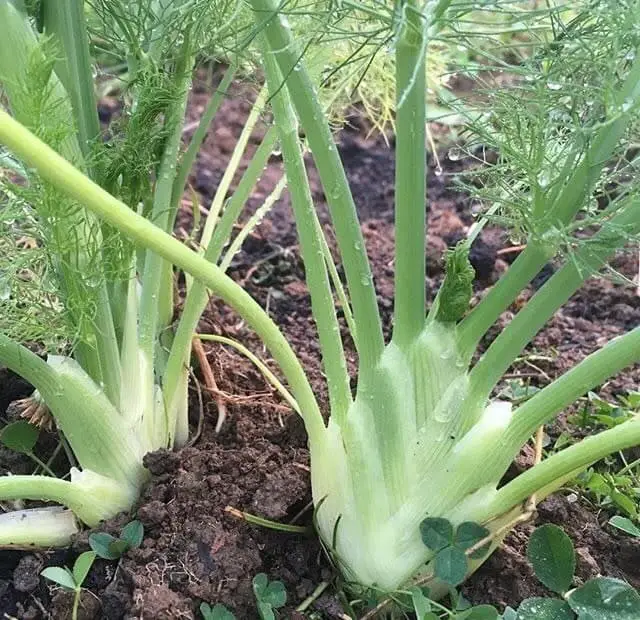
558	109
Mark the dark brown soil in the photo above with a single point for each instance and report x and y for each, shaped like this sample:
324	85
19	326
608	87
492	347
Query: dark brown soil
193	549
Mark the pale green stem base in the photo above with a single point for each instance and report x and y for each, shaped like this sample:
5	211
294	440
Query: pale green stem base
92	498
37	527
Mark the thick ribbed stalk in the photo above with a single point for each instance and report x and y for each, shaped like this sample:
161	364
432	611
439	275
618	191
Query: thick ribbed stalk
500	297
410	184
341	294
66	21
568	461
552	296
71	182
90	423
546	404
618	353
106	346
322	306
334	182
225	225
37	527
92	498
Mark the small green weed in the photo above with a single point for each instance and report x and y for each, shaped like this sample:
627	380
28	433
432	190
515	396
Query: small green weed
72	580
109	547
270	595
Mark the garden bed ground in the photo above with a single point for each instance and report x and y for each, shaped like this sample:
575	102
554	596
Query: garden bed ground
193	549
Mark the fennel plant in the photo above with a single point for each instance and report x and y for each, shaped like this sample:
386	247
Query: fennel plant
421	437
115	378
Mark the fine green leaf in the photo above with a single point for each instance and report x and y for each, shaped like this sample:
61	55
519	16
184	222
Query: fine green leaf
260	582
20	436
451	565
133	533
468	534
421	604
118	547
626	525
457	288
551	554
543	609
61	576
604	598
106	546
217	612
437	533
479	612
632	400
82	566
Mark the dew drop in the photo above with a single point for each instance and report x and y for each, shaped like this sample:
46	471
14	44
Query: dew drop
543	179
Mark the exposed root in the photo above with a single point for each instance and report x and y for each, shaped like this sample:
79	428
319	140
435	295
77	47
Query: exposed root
34	410
210	382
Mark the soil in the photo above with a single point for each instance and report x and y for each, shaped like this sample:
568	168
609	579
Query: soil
194	550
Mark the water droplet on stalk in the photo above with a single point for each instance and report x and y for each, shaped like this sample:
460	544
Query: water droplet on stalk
543	179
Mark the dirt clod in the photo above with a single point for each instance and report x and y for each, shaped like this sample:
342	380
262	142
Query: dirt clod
26	576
